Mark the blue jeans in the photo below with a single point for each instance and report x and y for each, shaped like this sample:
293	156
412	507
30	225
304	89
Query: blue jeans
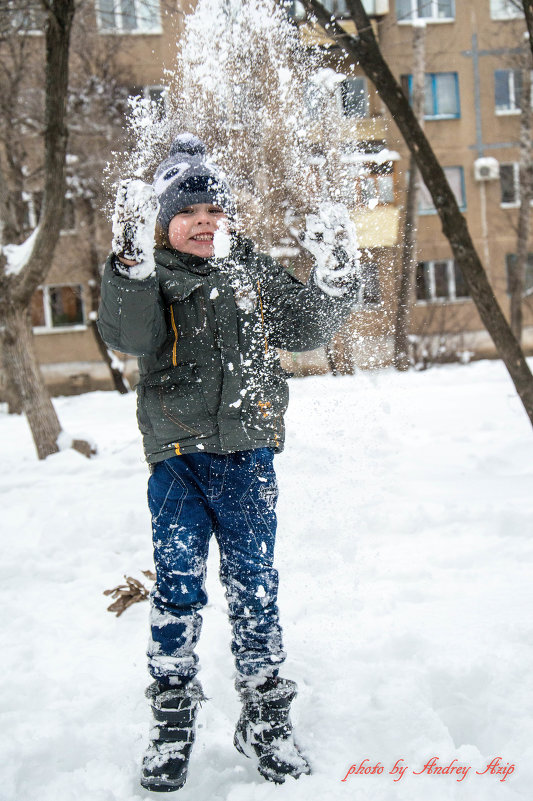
233	497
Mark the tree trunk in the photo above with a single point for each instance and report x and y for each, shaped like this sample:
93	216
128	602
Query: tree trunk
23	373
405	291
528	12
407	278
364	50
517	267
16	291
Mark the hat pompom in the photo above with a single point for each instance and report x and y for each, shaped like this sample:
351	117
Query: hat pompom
187	143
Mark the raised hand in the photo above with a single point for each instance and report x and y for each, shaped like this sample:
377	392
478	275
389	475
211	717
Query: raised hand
330	236
134	218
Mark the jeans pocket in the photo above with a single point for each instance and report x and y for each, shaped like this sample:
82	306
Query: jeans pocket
166	494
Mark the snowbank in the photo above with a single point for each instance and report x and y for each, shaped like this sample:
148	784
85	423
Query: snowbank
405	556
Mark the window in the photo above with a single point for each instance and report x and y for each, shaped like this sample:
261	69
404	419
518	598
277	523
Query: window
24	17
32	210
506	9
509	184
439	281
455	178
366	183
338	8
507	91
155	94
129	16
354	97
429	10
376	183
296	10
510	261
58	306
369	291
441	95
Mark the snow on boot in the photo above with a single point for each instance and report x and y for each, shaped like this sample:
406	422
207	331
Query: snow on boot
172	735
264	730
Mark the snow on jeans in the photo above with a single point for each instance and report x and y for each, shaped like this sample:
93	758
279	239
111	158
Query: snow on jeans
233	496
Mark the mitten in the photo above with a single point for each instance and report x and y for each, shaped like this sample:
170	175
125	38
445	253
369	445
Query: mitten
330	236
134	219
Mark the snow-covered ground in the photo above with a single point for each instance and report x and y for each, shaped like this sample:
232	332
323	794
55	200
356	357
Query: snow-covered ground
405	551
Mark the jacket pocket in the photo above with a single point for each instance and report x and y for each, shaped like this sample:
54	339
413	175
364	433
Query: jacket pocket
177	408
267	405
189	317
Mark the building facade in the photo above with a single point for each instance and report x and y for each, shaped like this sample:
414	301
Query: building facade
474	57
475	54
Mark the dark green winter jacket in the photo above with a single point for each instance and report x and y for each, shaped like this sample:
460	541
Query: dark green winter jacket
206	333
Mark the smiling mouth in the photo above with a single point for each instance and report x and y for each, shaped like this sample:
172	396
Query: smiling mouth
202	237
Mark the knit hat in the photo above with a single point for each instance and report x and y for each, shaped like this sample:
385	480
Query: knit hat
187	177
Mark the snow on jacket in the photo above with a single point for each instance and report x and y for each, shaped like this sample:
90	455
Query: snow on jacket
205	333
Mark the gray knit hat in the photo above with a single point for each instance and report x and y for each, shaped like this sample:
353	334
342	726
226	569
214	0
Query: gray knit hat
187	177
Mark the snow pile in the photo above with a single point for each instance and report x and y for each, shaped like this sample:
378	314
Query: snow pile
404	551
17	256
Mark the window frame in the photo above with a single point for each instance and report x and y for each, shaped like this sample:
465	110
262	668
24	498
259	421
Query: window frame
119	30
429	269
33	210
433	77
512	92
461	202
361	174
49	327
414	16
511	12
511	204
28	21
365	95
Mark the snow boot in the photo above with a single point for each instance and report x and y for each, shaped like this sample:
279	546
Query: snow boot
264	730
172	735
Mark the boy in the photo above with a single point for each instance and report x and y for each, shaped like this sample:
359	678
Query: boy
205	314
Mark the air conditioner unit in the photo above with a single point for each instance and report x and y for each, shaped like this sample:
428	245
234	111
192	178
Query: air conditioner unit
486	169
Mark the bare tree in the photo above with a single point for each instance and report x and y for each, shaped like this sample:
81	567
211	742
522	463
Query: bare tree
517	266
405	293
364	49
24	267
527	6
520	61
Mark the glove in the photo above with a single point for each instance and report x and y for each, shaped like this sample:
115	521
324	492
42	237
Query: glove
330	236
134	218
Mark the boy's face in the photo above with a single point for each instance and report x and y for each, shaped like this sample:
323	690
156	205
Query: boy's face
193	228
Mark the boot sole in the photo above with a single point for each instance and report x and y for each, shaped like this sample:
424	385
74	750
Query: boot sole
158	786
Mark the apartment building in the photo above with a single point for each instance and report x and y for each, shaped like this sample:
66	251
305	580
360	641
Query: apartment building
474	56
